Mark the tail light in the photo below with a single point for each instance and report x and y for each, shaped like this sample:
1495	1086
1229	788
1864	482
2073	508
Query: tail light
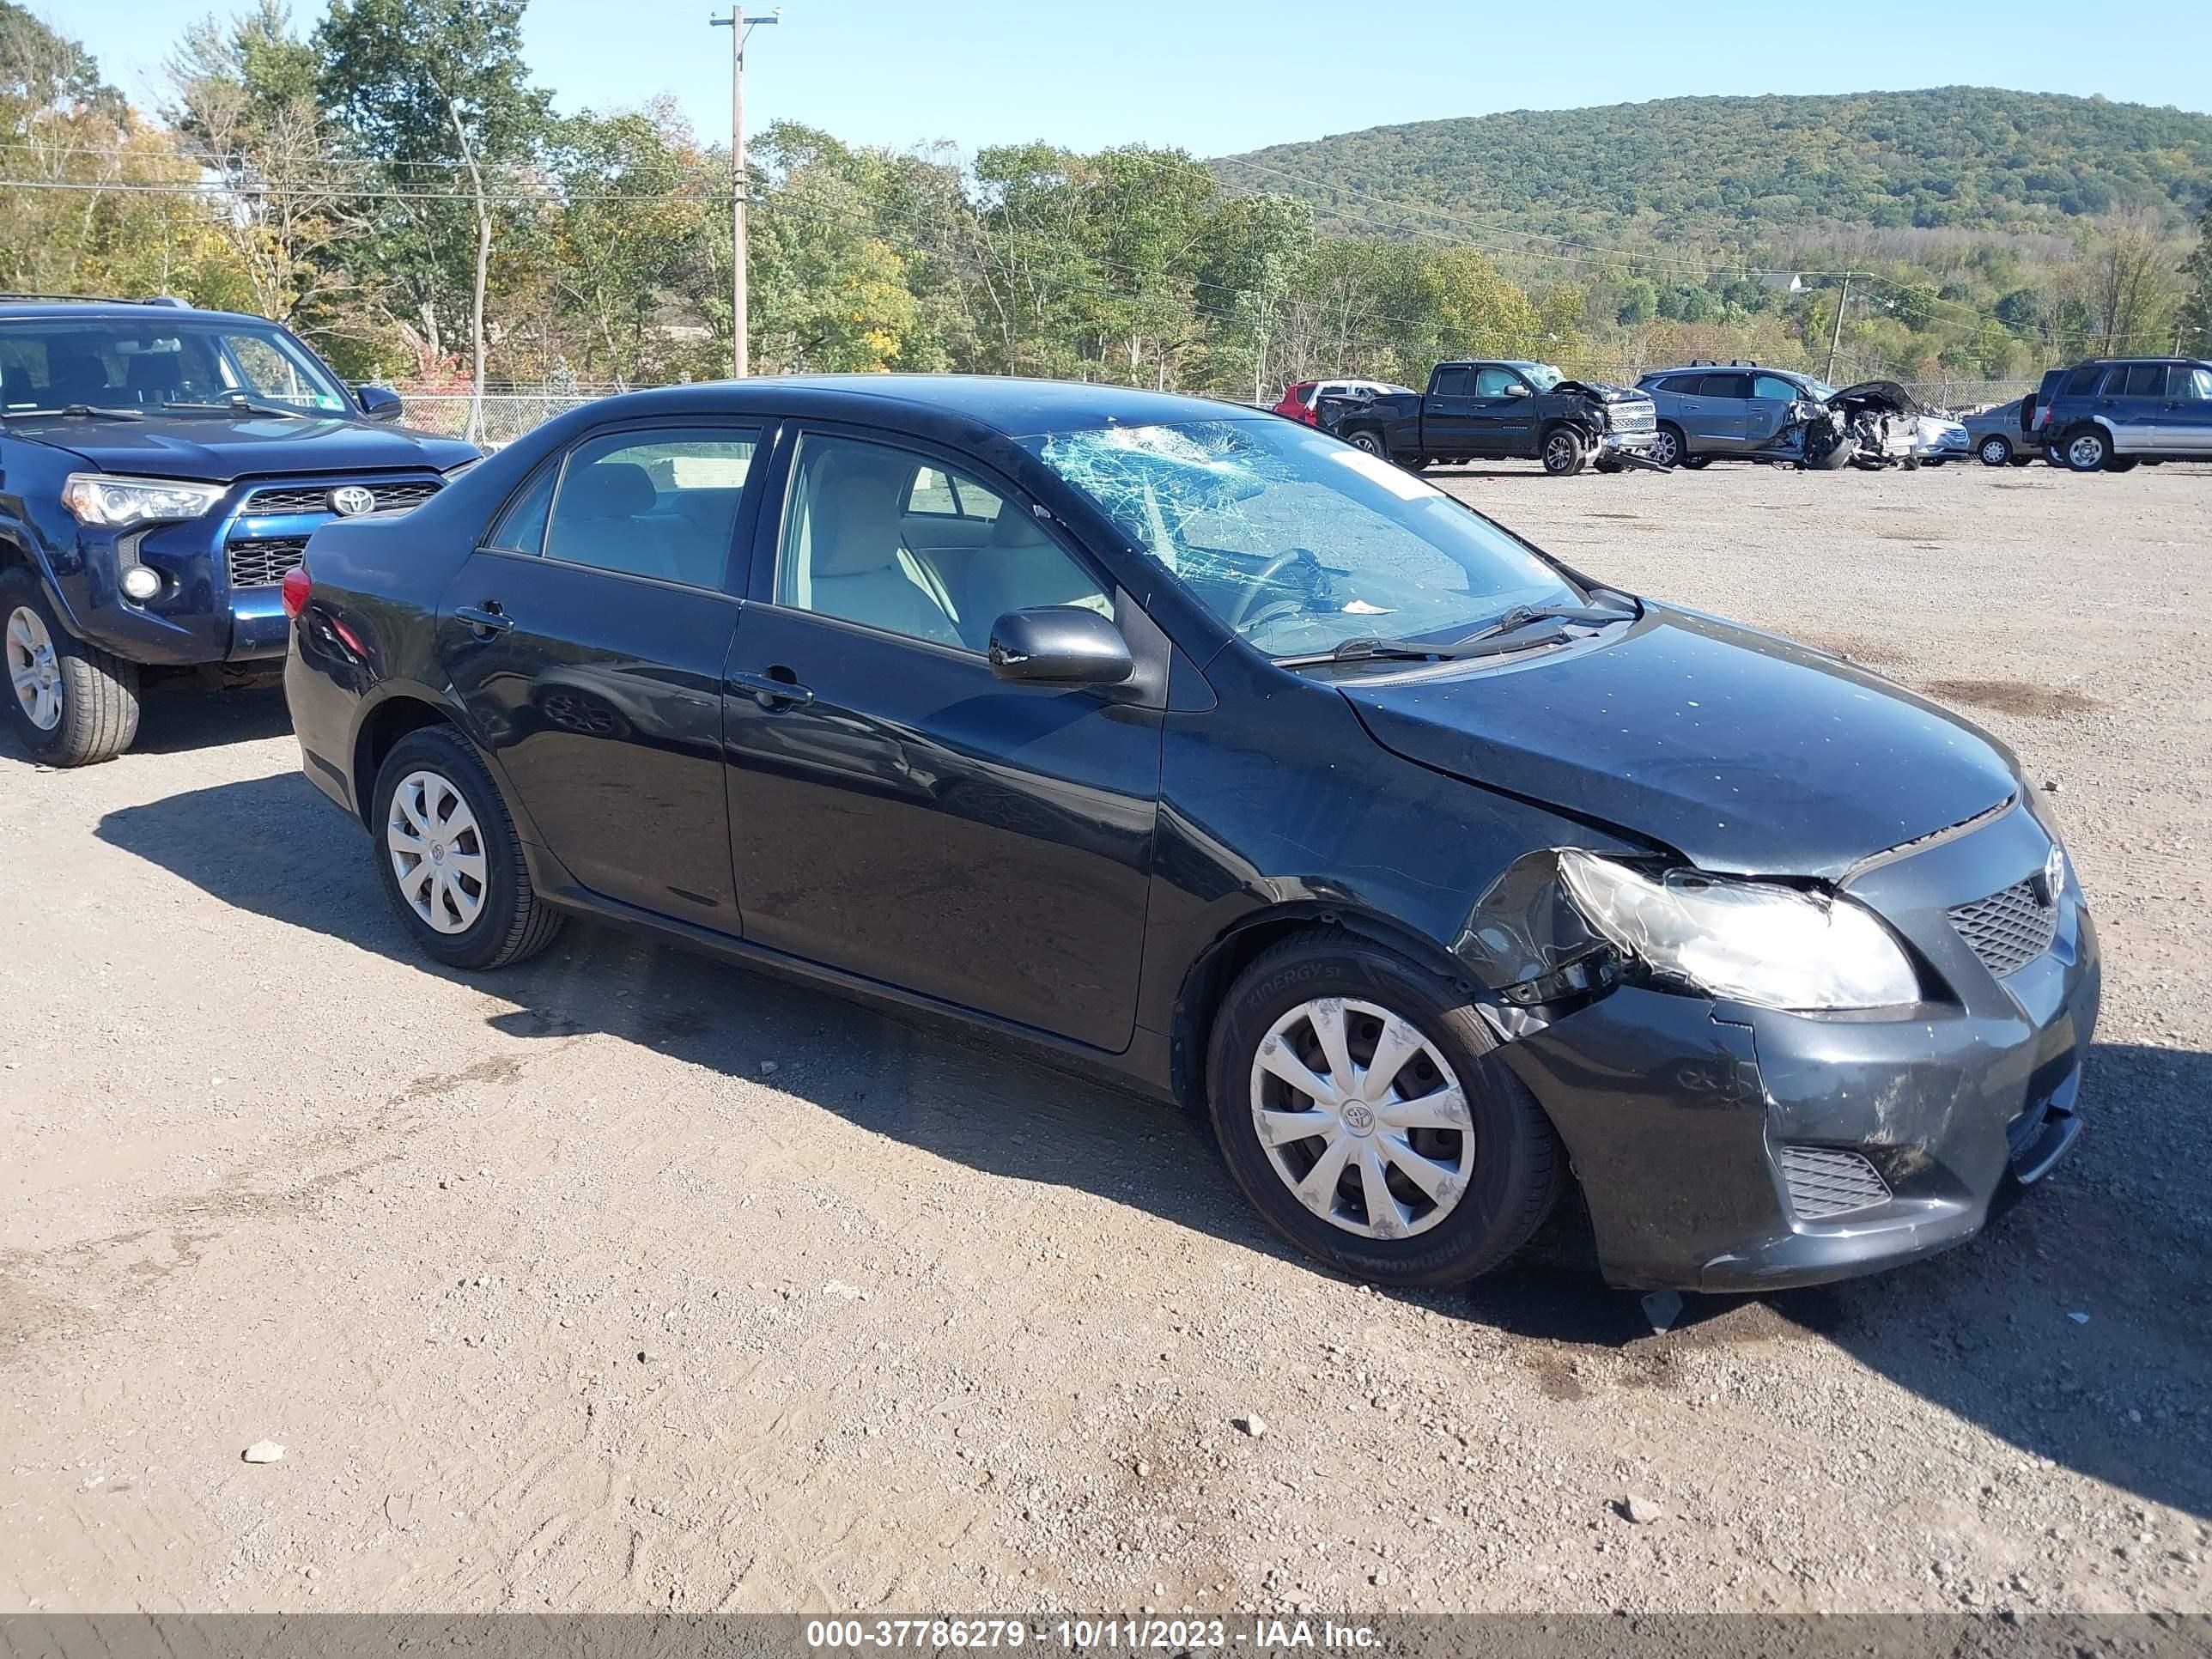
297	586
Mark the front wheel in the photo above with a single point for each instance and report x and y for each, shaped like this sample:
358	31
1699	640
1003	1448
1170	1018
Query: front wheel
70	704
1360	1109
2087	449
450	861
1564	453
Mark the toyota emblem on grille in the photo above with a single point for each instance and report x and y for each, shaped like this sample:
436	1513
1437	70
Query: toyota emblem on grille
350	499
2053	876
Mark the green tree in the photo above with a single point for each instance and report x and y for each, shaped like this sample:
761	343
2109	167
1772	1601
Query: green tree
2195	319
435	92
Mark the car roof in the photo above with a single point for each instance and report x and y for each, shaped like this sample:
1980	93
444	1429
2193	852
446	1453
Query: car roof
134	311
1013	407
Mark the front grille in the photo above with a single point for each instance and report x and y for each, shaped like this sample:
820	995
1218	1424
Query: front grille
1634	417
2007	930
262	561
316	498
1824	1182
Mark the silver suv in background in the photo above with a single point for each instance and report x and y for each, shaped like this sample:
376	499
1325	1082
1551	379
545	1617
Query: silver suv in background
1709	411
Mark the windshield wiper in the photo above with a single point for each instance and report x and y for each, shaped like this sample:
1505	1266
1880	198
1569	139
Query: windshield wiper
1493	639
240	406
79	411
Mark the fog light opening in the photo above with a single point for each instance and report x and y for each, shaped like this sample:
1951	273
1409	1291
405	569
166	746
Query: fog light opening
141	584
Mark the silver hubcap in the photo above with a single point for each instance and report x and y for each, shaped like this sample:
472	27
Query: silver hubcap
2086	451
1996	451
34	670
437	852
1362	1117
1662	449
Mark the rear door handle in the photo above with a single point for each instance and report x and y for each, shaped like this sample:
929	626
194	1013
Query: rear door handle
768	690
484	620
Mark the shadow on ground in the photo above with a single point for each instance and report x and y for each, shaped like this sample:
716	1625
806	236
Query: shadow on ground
1985	1331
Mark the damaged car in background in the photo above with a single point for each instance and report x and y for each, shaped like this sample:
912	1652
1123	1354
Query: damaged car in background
1499	410
1197	746
1741	411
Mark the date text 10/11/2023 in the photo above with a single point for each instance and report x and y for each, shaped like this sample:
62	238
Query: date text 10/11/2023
1089	1635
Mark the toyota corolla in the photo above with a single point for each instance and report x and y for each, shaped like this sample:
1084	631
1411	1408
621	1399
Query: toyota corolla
1199	746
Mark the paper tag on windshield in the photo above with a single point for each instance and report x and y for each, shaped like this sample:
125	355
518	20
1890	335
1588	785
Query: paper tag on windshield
1398	482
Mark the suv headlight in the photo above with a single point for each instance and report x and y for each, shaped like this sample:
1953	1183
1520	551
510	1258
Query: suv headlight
97	499
1753	941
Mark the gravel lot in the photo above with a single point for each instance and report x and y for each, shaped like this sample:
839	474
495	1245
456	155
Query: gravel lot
628	1280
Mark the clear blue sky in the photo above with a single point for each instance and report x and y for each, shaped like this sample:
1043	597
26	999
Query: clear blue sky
1220	75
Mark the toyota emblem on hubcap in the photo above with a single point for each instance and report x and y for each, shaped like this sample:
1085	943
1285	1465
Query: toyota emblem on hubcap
352	499
1358	1118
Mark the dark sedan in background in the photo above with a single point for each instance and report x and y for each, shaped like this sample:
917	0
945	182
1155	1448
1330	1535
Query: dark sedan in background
1202	747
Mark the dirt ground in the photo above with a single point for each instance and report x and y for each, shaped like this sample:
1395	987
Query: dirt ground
557	1296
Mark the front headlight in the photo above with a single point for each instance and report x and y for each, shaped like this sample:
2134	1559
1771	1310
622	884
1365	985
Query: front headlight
117	503
1753	941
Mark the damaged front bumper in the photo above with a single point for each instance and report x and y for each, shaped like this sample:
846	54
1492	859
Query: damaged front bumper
1723	1147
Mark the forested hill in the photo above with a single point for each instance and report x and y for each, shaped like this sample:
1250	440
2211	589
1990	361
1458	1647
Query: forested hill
1727	168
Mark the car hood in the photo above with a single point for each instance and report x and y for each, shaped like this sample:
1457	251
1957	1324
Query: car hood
216	449
1746	753
1603	392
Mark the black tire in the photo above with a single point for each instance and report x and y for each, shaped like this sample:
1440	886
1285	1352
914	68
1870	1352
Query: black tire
1996	450
513	923
1517	1170
1369	439
1697	462
2023	460
1610	466
2123	463
2085	449
1563	450
1669	447
1835	460
98	713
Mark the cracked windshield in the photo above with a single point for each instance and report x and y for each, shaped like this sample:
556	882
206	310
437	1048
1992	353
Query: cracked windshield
1296	541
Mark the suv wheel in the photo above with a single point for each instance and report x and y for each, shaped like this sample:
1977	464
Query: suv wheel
71	703
1360	1109
1996	450
1564	453
450	862
2087	449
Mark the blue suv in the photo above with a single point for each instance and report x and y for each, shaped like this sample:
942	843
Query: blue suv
2112	413
160	471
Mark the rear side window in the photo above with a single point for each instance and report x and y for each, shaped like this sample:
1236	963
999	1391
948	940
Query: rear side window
655	502
2083	380
1452	382
1725	386
2146	380
521	528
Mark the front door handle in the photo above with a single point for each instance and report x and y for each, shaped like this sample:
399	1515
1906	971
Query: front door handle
484	620
770	691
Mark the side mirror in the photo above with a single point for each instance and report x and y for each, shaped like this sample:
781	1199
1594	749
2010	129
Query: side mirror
1059	645
378	403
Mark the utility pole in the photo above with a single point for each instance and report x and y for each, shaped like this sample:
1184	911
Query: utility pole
739	27
1837	334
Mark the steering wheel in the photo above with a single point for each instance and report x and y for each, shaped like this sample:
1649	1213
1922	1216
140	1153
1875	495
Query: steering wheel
1247	601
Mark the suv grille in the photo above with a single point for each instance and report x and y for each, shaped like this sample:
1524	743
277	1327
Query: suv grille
316	498
262	561
1824	1181
2010	929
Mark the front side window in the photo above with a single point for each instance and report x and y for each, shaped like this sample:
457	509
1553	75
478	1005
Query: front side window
1297	541
1494	382
660	502
861	542
2192	386
162	362
1773	386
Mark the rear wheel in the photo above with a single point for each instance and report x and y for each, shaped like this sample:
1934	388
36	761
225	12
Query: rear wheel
1367	438
70	704
450	863
1564	452
1360	1109
2086	449
1996	450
